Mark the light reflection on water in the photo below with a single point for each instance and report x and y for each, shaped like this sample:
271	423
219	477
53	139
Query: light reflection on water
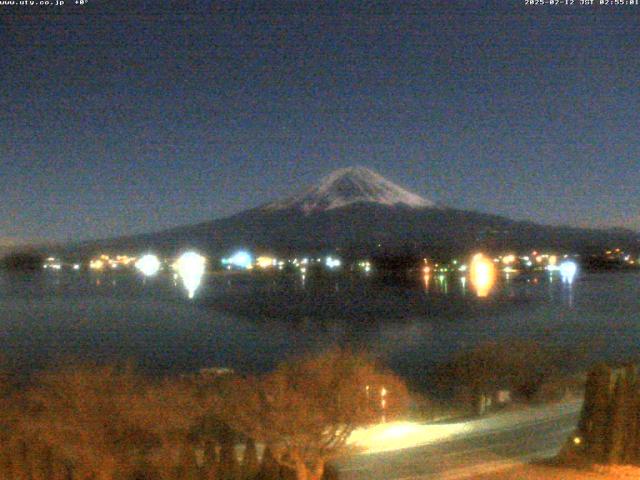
506	285
250	322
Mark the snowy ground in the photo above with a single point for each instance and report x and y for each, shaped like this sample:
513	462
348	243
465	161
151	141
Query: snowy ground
413	451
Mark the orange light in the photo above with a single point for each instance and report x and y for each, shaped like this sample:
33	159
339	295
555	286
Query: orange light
482	274
96	264
508	259
265	262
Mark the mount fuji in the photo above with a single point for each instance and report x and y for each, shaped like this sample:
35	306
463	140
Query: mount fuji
349	186
359	212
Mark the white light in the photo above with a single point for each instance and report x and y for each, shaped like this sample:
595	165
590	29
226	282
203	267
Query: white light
190	266
239	259
568	271
332	262
76	266
149	265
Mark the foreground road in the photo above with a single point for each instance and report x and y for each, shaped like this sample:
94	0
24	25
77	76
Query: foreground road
462	450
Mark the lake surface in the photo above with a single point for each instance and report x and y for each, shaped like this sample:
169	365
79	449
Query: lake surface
250	322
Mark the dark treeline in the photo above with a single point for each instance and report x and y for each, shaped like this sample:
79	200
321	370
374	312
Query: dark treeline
22	261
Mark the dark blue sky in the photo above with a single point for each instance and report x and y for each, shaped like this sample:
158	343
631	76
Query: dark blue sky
117	121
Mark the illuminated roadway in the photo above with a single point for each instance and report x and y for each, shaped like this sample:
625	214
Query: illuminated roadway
465	449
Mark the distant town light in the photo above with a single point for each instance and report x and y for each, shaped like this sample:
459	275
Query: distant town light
266	262
96	264
149	265
241	259
508	259
332	262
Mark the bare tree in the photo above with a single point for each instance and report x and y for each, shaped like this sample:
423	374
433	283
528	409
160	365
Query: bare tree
306	409
106	423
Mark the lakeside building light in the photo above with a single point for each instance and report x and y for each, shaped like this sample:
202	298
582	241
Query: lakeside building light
148	265
568	270
190	267
482	274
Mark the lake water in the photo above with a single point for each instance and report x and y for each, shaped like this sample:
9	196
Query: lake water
250	322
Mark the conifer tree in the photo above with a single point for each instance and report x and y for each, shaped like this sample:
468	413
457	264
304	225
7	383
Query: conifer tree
630	414
595	413
617	422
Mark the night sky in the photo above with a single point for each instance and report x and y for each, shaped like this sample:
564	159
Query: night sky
117	120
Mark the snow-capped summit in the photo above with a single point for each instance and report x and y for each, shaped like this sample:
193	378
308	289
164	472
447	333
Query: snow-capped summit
347	186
